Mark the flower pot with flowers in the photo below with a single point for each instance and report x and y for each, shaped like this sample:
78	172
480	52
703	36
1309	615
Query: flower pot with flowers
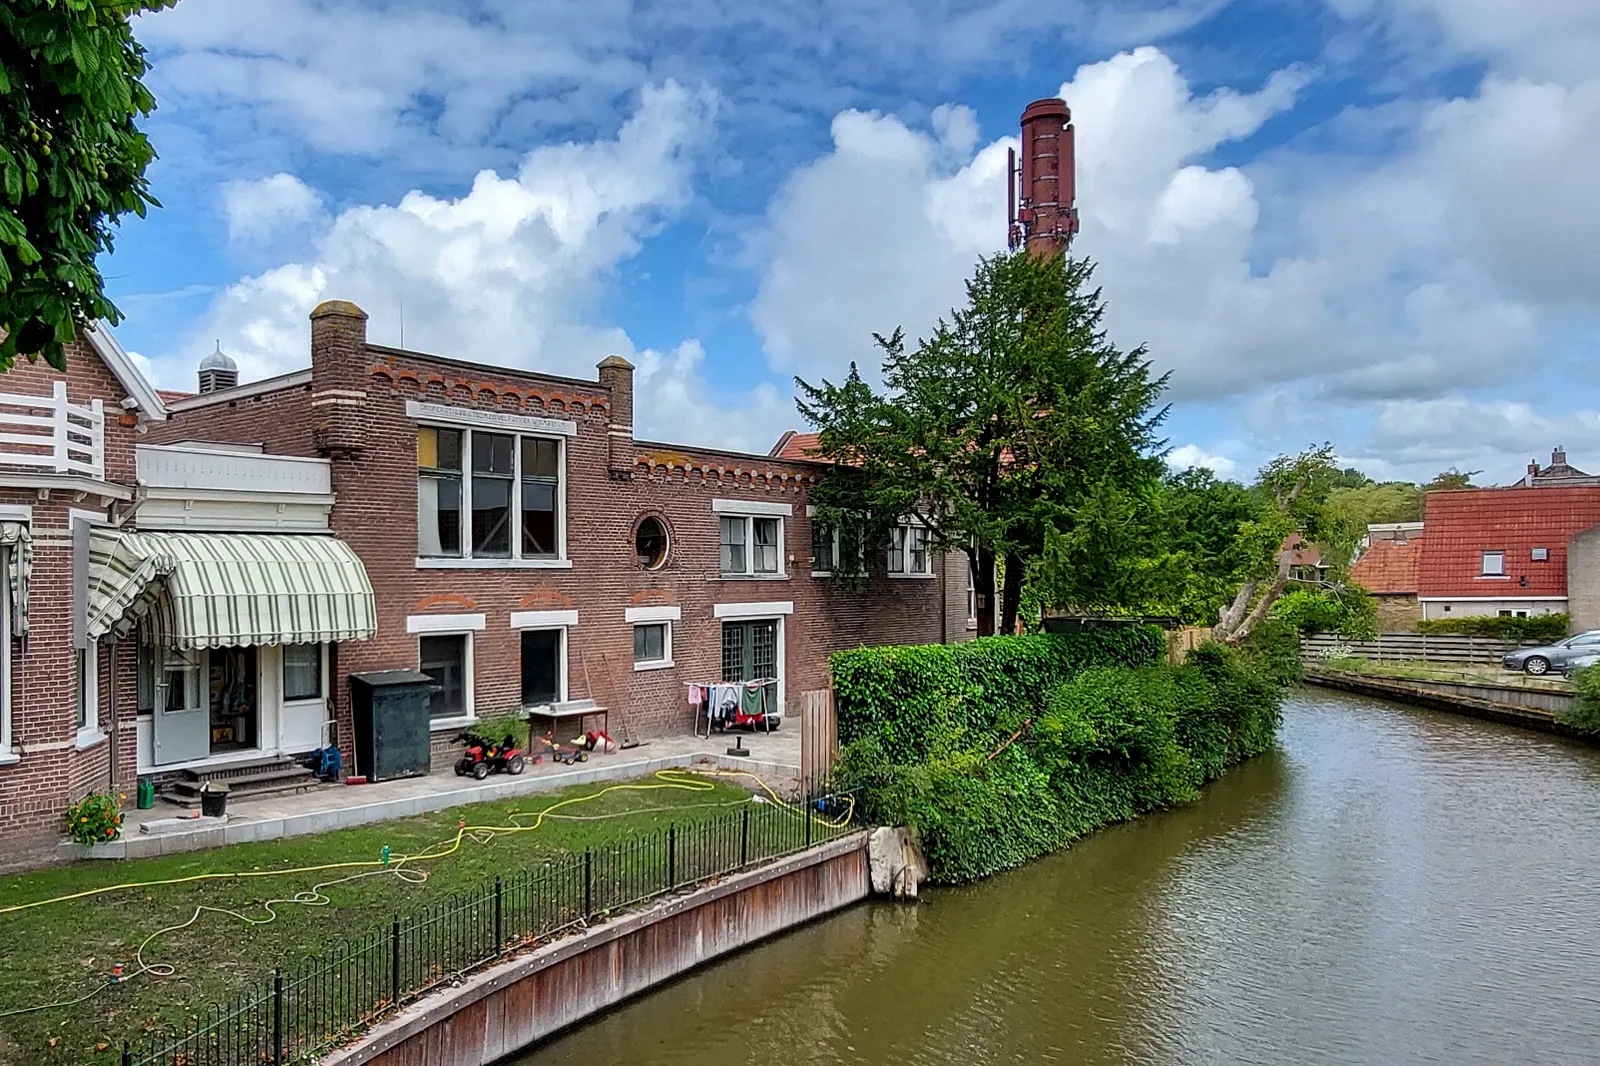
95	819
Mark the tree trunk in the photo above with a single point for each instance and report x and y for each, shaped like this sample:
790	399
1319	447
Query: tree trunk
1263	605
982	563
1011	595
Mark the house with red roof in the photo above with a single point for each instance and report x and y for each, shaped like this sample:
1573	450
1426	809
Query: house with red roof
1388	568
1501	551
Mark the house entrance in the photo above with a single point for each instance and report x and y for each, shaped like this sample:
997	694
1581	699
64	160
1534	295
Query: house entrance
750	650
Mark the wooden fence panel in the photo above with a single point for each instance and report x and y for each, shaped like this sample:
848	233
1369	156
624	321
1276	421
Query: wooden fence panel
819	740
1434	647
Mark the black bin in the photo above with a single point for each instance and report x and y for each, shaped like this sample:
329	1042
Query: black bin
390	713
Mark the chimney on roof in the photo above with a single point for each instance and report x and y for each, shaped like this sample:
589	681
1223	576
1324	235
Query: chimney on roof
1043	185
217	371
1558	456
616	377
338	377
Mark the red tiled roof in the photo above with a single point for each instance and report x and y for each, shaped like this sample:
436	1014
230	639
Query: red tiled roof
1389	566
1462	525
1301	552
794	445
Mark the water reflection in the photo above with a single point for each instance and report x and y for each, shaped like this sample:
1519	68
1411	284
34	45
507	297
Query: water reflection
1392	886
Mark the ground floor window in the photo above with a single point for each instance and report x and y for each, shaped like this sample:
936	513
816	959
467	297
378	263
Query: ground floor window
749	650
302	671
88	686
652	644
5	650
444	659
542	666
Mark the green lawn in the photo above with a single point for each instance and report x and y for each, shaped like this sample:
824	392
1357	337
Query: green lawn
60	951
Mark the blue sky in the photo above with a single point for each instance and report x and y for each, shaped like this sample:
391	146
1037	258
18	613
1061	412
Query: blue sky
1361	220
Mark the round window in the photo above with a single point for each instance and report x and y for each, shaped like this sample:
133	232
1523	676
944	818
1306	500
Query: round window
650	543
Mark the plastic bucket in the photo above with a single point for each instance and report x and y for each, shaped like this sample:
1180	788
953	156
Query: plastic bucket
214	800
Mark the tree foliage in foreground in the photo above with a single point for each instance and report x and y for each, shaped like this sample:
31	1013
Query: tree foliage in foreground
72	162
1016	433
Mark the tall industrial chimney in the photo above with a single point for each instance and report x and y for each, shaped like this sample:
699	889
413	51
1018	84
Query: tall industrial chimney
1042	214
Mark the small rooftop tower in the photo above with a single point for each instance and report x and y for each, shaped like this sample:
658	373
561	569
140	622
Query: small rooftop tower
217	371
1040	192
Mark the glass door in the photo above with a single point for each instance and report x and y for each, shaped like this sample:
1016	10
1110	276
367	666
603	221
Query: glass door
181	731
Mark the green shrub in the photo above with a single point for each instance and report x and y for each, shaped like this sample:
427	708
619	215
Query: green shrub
1015	746
1350	612
95	819
1538	629
1584	716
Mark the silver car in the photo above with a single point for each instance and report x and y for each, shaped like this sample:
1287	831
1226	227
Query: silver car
1539	661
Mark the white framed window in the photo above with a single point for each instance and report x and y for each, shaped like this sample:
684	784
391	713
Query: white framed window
490	498
88	708
1494	564
834	549
752	546
302	672
544	666
1540	555
447	660
908	551
652	645
6	747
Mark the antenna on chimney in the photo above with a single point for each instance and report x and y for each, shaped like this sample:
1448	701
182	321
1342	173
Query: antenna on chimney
1044	218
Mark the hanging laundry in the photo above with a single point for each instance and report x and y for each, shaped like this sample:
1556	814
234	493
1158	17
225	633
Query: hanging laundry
697	695
727	701
755	699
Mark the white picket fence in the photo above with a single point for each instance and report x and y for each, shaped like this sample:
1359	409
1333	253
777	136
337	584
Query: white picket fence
1434	647
52	434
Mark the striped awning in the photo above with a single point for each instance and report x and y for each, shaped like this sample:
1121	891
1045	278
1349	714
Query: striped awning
19	564
213	590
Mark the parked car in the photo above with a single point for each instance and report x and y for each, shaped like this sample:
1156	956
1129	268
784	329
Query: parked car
1541	660
1583	662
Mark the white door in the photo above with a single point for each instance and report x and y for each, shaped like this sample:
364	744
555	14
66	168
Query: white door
182	728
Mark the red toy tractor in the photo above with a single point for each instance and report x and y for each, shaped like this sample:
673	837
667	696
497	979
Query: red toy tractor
483	757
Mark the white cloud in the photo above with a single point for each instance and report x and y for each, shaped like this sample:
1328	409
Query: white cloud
1189	456
263	209
509	272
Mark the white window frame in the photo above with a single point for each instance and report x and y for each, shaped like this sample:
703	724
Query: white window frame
837	543
466	560
1483	563
8	753
563	680
666	647
322	677
87	708
899	540
469	669
748	513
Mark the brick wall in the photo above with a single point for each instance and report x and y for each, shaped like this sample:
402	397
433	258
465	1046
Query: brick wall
280	420
1398	612
1583	580
51	772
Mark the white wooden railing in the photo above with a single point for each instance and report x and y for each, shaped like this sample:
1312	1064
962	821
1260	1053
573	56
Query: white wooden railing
48	433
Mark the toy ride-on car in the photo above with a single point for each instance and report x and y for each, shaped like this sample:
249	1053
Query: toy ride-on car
482	757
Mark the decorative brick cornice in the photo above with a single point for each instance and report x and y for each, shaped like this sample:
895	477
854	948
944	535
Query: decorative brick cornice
664	466
412	381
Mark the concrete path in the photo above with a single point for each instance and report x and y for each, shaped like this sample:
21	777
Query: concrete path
166	829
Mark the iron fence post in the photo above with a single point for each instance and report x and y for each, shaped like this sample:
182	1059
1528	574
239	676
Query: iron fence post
499	916
672	855
588	884
127	1054
277	1017
808	825
744	837
394	962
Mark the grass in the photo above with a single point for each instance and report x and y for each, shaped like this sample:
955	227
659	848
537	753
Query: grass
1421	670
61	951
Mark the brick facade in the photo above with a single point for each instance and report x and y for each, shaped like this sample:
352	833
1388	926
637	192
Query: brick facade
354	411
47	769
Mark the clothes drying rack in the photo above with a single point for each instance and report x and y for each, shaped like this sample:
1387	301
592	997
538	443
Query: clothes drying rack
769	696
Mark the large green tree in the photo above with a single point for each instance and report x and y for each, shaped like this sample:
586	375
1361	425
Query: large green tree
1015	427
72	162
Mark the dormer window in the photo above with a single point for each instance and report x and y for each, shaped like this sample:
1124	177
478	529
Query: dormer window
1540	555
1494	564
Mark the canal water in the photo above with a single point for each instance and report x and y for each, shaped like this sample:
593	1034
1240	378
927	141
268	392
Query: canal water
1391	886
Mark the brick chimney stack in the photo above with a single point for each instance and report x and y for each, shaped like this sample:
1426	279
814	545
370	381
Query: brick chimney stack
1046	217
616	376
1558	456
338	376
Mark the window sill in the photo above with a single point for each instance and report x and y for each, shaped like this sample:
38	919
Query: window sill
425	563
911	577
663	664
88	738
752	577
446	725
823	573
9	758
1493	577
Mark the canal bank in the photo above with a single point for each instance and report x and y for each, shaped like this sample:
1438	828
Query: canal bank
1390	885
1529	708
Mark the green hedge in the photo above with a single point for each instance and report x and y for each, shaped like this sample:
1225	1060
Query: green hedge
1542	628
930	699
1584	716
1113	734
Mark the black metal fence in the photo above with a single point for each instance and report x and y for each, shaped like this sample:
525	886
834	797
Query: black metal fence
310	1006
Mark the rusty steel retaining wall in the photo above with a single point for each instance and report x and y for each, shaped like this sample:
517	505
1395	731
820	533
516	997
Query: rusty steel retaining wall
509	1006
